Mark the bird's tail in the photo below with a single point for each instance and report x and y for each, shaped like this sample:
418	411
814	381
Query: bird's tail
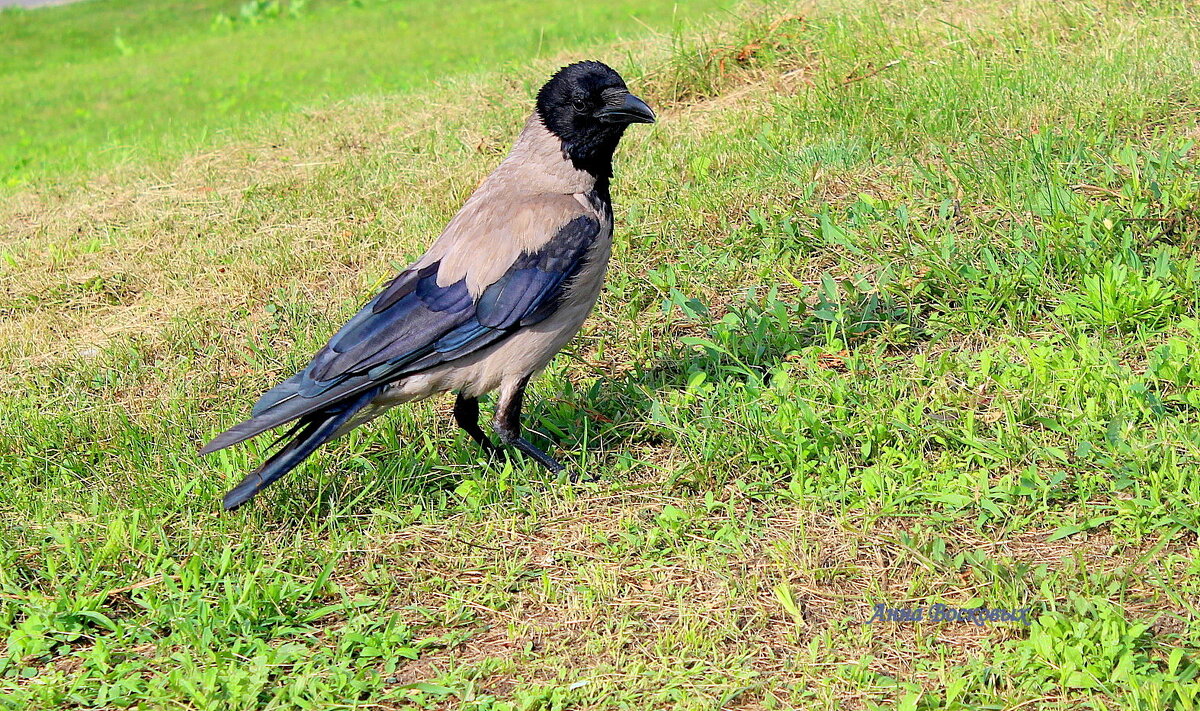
310	432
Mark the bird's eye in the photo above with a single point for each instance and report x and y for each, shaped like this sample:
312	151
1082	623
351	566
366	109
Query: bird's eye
580	104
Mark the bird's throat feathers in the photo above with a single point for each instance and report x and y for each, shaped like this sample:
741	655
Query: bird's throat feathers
546	163
593	154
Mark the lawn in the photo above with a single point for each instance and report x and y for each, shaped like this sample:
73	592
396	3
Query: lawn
903	311
104	83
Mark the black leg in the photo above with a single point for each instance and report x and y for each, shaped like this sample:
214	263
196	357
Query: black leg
466	414
508	424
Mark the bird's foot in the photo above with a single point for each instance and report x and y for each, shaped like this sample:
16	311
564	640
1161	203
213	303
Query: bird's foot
575	476
529	449
490	449
570	474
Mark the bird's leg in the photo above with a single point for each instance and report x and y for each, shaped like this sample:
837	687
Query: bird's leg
507	424
466	414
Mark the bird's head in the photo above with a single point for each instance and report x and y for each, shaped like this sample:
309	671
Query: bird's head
587	106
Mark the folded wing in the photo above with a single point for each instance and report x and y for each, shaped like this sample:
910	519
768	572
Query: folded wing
415	324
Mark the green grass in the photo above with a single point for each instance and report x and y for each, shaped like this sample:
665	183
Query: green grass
903	310
89	86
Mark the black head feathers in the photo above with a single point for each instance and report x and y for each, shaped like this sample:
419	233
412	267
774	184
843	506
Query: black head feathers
588	106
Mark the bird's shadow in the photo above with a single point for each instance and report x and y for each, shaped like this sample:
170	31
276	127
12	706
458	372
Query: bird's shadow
403	461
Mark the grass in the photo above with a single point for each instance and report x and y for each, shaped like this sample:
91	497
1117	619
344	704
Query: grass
95	85
902	311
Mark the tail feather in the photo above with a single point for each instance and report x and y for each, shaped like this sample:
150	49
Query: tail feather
271	411
310	432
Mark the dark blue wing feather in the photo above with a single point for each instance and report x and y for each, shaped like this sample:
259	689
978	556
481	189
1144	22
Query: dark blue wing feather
415	324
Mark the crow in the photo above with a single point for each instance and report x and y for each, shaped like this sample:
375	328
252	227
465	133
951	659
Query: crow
507	284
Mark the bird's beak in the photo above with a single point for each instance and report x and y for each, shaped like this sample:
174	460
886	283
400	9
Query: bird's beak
626	108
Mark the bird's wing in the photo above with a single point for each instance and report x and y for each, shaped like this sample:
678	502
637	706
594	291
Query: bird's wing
415	323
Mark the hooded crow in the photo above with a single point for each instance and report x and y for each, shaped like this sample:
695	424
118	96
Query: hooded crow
509	281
